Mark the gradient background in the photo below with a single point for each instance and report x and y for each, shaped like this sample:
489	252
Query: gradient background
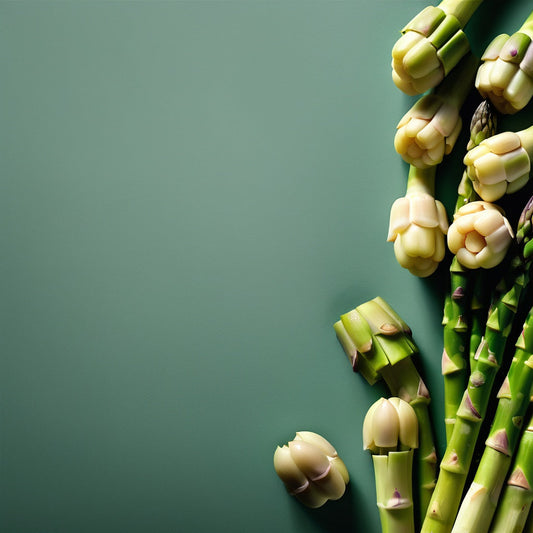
191	194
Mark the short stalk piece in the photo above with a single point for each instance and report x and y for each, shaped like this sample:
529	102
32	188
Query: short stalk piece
380	346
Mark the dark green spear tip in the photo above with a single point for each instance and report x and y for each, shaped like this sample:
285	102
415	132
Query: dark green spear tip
483	124
524	232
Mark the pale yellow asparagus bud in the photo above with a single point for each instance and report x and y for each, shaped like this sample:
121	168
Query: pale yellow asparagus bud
506	74
418	225
480	235
500	164
390	425
428	131
311	469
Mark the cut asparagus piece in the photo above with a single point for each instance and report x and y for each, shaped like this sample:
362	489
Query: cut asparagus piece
390	433
431	45
506	73
379	345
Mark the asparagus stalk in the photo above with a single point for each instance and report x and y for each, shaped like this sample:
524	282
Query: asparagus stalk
479	504
429	130
457	458
431	45
390	432
463	306
506	74
515	502
500	164
418	224
380	346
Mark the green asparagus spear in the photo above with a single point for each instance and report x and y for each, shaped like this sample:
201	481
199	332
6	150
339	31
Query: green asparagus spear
379	345
479	504
461	297
456	462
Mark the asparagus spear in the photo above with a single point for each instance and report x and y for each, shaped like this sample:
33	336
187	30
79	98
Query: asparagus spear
515	502
506	74
431	45
429	130
390	432
379	346
479	503
461	298
457	458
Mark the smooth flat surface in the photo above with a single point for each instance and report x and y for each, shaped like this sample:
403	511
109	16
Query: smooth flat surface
192	193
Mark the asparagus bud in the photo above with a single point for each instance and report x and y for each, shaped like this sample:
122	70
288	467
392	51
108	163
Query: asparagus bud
506	74
500	164
480	235
418	224
390	432
311	469
431	45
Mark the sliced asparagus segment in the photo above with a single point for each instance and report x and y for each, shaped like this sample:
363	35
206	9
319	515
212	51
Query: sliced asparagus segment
379	345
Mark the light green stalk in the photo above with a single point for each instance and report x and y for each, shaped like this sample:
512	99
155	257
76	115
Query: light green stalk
464	307
479	504
457	458
393	474
379	346
514	506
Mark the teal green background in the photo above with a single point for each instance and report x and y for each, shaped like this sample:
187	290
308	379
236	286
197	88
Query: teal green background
192	193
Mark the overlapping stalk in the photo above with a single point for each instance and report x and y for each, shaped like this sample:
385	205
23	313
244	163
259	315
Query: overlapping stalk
506	74
514	506
456	462
479	504
379	345
463	305
431	45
